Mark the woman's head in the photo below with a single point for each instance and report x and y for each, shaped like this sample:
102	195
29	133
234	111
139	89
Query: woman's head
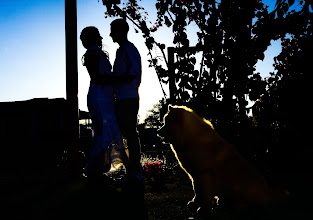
90	36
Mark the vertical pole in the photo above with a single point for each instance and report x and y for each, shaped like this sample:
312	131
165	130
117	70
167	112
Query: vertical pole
72	85
171	74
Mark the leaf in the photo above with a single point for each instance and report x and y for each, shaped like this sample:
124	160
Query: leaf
168	23
196	74
291	2
185	96
193	60
149	43
162	46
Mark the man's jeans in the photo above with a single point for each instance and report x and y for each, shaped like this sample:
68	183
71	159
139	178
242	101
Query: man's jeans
127	111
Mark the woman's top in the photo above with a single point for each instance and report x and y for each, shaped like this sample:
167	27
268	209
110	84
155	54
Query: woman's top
95	56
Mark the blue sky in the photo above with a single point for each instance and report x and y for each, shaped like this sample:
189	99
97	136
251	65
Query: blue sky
32	57
32	50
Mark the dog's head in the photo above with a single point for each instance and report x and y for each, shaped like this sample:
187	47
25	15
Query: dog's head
172	120
180	122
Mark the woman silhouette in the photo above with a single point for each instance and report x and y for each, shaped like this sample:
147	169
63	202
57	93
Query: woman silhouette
107	142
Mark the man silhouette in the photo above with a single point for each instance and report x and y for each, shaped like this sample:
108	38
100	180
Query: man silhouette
127	62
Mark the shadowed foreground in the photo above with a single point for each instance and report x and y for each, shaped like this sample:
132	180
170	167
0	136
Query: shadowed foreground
73	200
162	198
81	200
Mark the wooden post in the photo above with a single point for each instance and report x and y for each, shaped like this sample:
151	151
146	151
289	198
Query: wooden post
171	73
72	86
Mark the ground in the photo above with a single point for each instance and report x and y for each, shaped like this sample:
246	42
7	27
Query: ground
164	197
171	203
80	200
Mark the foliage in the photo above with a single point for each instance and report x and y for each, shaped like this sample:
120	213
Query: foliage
283	103
155	115
232	36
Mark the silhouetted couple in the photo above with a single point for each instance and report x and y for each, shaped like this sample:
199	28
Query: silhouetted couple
113	102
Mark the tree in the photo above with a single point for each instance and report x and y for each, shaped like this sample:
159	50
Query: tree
155	115
283	111
283	103
232	36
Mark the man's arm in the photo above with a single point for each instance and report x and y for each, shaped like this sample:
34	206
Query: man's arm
92	64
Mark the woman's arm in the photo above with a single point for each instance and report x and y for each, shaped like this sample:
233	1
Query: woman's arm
108	79
91	61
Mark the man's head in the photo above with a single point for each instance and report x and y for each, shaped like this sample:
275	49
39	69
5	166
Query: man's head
119	30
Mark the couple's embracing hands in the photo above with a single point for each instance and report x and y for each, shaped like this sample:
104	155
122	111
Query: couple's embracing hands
106	79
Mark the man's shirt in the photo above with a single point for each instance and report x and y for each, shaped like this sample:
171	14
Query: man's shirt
127	61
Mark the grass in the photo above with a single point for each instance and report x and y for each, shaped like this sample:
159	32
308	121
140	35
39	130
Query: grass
170	201
169	204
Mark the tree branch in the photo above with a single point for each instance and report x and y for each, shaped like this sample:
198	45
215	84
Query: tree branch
170	16
159	78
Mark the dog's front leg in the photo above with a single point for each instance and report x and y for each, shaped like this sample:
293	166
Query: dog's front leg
195	203
205	190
